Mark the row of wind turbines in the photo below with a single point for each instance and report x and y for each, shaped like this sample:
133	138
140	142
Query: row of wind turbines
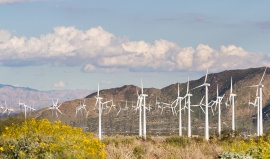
204	106
181	103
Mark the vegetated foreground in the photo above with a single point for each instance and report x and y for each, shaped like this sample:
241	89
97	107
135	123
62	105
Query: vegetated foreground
44	139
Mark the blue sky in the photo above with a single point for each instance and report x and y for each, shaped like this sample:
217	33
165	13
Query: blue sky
74	44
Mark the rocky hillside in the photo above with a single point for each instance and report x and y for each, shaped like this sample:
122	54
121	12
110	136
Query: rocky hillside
127	120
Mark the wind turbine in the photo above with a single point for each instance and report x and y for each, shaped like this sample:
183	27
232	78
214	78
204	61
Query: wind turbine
206	85
179	103
25	110
80	108
112	106
7	110
188	95
260	103
20	104
98	101
260	114
218	102
231	99
144	112
157	104
55	107
256	104
119	109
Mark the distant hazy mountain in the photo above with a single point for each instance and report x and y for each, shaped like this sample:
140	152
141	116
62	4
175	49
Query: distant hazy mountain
38	99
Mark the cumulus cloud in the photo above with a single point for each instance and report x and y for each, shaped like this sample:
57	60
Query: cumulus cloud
59	84
88	68
97	50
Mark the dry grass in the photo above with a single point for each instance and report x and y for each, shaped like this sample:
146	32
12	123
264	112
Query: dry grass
158	148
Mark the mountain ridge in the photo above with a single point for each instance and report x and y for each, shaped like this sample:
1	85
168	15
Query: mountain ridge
128	93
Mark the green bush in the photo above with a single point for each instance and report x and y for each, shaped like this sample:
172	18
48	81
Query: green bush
177	141
9	121
138	151
118	141
229	135
233	155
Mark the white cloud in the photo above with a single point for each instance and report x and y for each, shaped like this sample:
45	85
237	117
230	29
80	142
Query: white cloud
4	35
59	84
98	50
89	68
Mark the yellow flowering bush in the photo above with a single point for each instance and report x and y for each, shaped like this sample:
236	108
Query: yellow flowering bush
44	139
257	147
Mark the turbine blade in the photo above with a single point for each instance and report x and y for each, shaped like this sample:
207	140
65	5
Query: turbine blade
202	100
216	103
178	92
59	111
252	86
202	109
206	76
197	87
59	105
231	86
263	75
212	111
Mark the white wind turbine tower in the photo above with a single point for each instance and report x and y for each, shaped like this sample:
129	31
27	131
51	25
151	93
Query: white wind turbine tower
98	101
206	85
218	102
188	95
144	112
25	110
139	106
260	113
231	99
179	102
256	104
20	104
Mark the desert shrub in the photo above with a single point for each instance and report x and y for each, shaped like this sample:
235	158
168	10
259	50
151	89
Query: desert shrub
44	139
178	141
199	139
229	135
233	155
138	151
257	147
9	121
118	141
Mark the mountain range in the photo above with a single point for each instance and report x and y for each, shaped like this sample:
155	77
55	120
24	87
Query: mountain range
37	99
126	96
